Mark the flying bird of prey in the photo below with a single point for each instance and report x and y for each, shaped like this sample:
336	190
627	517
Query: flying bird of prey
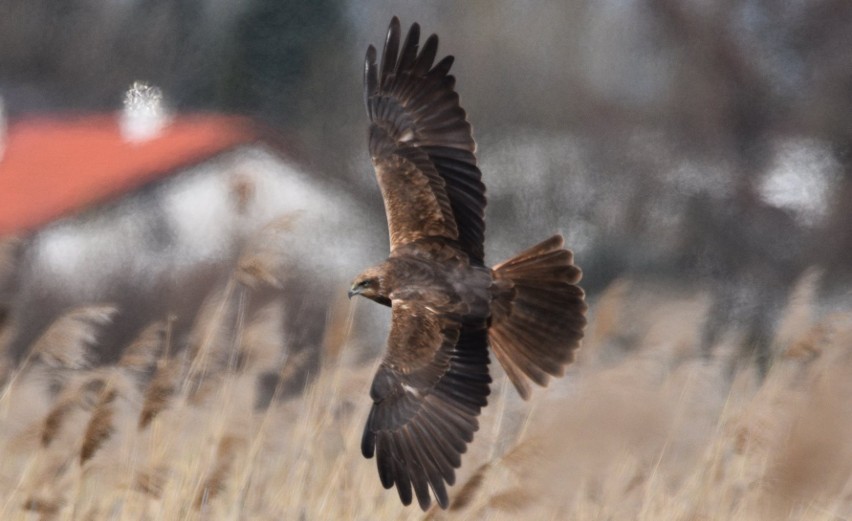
447	307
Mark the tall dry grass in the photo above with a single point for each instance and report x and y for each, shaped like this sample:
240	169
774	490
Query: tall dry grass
642	427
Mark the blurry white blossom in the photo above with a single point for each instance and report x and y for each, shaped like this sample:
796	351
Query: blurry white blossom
144	114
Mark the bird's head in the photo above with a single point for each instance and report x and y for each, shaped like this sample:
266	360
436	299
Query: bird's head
370	284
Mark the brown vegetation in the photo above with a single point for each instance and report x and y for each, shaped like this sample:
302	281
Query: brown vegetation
642	427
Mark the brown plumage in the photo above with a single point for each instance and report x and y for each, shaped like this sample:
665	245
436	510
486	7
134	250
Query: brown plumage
447	306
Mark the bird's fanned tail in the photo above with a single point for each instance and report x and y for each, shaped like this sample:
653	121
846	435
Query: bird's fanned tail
538	314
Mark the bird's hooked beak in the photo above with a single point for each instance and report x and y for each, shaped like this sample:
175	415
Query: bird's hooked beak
353	291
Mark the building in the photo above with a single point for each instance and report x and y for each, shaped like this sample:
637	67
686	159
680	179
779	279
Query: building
149	211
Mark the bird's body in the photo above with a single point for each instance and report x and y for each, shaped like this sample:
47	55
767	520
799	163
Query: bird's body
443	279
447	307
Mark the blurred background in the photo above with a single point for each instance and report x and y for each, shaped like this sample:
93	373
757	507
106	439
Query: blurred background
185	195
702	144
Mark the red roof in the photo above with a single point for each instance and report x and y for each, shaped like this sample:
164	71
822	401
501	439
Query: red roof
54	167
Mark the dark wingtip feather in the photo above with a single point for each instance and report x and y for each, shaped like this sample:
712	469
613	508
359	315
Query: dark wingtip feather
427	56
368	440
409	49
443	67
370	76
370	59
443	499
403	483
384	463
391	51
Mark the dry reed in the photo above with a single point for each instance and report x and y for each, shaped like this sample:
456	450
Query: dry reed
100	426
160	390
656	432
68	342
264	260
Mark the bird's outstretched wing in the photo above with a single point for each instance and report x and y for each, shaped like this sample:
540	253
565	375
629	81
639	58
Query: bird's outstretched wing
427	395
422	147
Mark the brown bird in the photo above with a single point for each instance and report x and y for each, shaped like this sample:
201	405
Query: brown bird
447	306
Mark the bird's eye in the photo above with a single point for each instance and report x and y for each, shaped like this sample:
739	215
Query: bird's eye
364	284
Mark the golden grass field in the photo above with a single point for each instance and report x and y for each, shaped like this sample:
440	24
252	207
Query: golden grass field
650	431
